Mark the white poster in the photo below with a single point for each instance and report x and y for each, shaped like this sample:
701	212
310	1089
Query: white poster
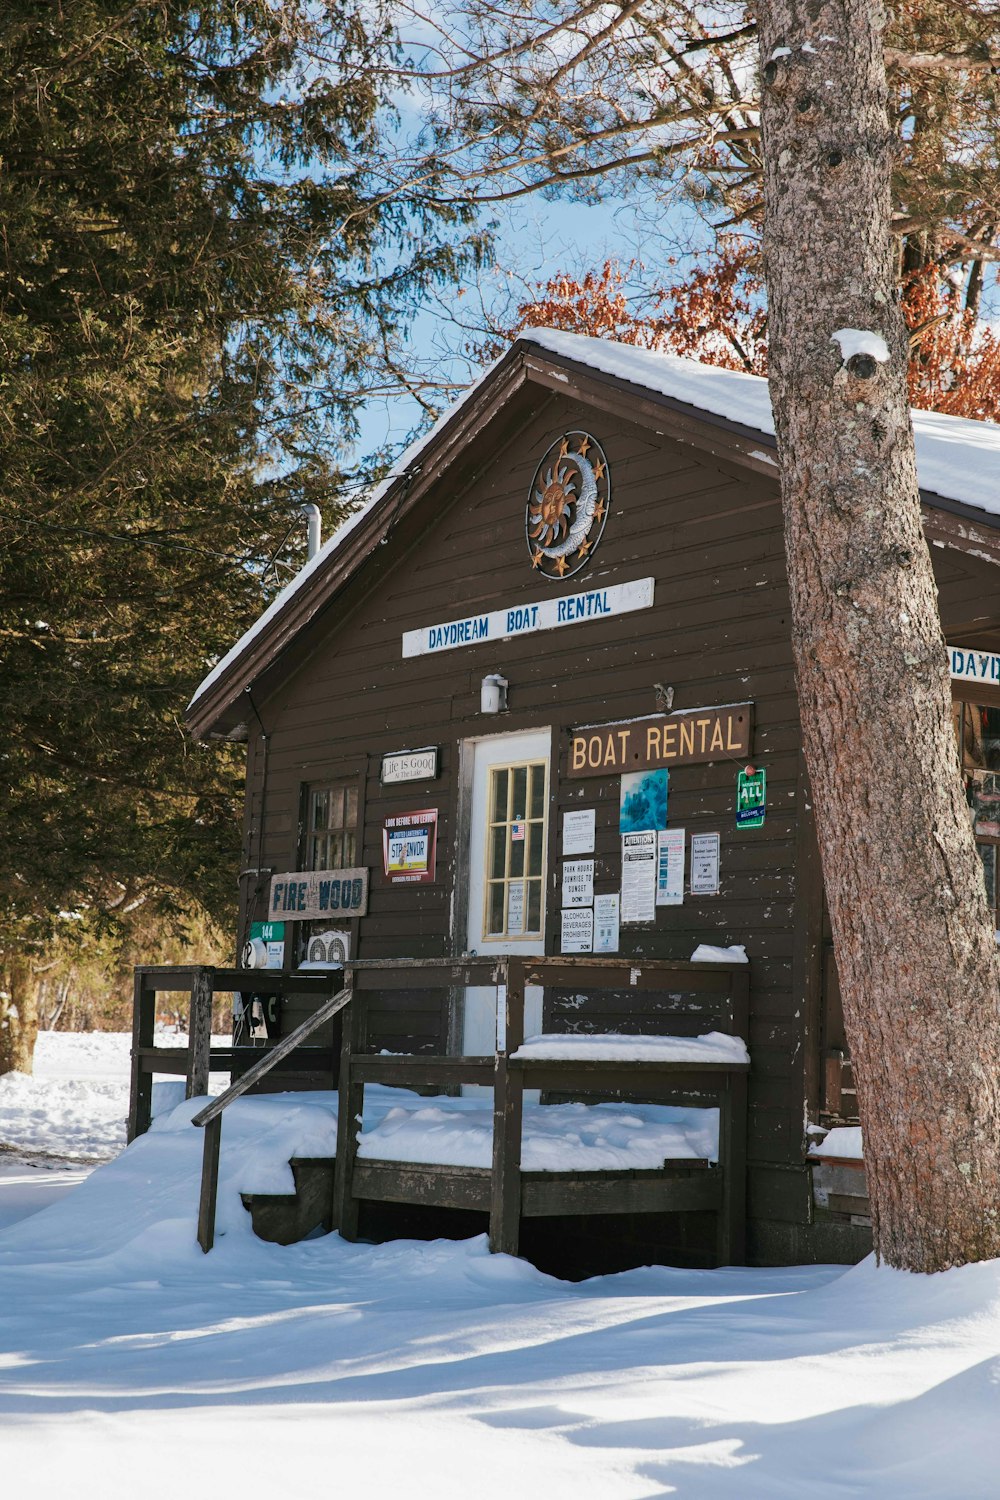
578	929
578	831
515	908
704	864
606	924
670	867
639	877
578	882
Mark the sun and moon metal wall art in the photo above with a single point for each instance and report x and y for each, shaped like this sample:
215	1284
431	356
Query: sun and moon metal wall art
567	505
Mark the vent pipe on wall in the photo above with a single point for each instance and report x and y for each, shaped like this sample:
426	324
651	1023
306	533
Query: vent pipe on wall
314	535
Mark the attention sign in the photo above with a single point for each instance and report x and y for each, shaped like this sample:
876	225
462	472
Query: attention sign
700	734
409	847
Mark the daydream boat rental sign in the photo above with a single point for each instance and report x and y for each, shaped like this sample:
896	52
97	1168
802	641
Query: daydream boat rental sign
525	619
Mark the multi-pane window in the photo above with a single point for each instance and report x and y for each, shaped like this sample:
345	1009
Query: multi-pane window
977	730
515	850
332	827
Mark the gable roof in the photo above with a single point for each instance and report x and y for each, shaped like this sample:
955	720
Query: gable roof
958	463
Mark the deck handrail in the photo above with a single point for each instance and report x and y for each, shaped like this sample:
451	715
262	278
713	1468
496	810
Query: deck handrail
272	1056
727	981
210	1118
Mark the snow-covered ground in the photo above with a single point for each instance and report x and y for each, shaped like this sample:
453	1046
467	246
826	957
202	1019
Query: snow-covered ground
132	1364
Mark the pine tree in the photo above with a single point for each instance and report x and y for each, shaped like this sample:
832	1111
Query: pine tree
197	274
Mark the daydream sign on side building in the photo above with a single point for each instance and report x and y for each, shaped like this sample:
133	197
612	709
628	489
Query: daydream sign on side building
974	666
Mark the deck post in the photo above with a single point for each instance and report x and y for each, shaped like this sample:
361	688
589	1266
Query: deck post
209	1183
200	1033
508	1108
731	1246
734	1211
143	1027
351	1104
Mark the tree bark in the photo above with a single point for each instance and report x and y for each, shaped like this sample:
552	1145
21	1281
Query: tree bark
18	1017
914	942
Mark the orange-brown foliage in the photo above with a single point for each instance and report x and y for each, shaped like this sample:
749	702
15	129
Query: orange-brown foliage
717	315
954	360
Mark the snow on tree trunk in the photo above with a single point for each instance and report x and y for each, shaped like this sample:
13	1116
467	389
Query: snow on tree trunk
18	1018
914	943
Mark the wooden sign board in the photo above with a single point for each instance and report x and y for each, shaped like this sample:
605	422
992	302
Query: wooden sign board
305	895
410	765
697	735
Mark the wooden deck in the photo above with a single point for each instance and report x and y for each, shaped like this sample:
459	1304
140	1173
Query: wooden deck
701	997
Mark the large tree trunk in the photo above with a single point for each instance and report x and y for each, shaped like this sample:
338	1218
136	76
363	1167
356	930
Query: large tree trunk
914	943
18	1017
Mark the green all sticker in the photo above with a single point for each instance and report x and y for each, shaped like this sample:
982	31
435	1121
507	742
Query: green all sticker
751	798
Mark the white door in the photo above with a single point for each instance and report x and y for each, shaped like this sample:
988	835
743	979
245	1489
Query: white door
507	862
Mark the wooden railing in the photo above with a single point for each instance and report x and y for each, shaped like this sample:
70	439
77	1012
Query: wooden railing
358	1066
691	998
722	992
198	1059
210	1118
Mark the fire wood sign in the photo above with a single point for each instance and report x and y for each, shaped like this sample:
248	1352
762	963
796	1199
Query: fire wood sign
697	735
305	895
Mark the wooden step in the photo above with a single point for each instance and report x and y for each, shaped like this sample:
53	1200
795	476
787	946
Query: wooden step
286	1218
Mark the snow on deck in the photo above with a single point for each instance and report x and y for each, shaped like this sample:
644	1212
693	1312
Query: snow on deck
843	1142
402	1126
554	1137
712	1047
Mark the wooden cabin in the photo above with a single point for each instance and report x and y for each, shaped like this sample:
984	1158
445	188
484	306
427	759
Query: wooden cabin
536	698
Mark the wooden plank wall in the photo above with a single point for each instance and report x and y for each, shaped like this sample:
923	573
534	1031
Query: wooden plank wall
718	633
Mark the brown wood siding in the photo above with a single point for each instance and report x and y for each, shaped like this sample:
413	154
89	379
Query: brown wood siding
711	535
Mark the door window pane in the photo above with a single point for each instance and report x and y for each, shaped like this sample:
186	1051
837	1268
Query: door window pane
515	848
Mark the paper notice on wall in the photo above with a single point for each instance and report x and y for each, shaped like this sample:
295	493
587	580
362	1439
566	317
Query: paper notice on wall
515	908
638	903
704	864
577	930
670	867
578	882
578	831
606	924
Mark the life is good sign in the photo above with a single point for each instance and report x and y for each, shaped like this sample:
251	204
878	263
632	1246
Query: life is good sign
304	895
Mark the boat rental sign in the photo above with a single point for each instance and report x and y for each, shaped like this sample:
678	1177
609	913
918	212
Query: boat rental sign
526	619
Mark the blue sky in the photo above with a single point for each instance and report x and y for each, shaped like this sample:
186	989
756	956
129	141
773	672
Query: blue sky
536	239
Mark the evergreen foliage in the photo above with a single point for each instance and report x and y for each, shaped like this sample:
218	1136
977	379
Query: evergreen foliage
198	275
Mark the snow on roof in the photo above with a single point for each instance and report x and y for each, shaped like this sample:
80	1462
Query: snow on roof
957	458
